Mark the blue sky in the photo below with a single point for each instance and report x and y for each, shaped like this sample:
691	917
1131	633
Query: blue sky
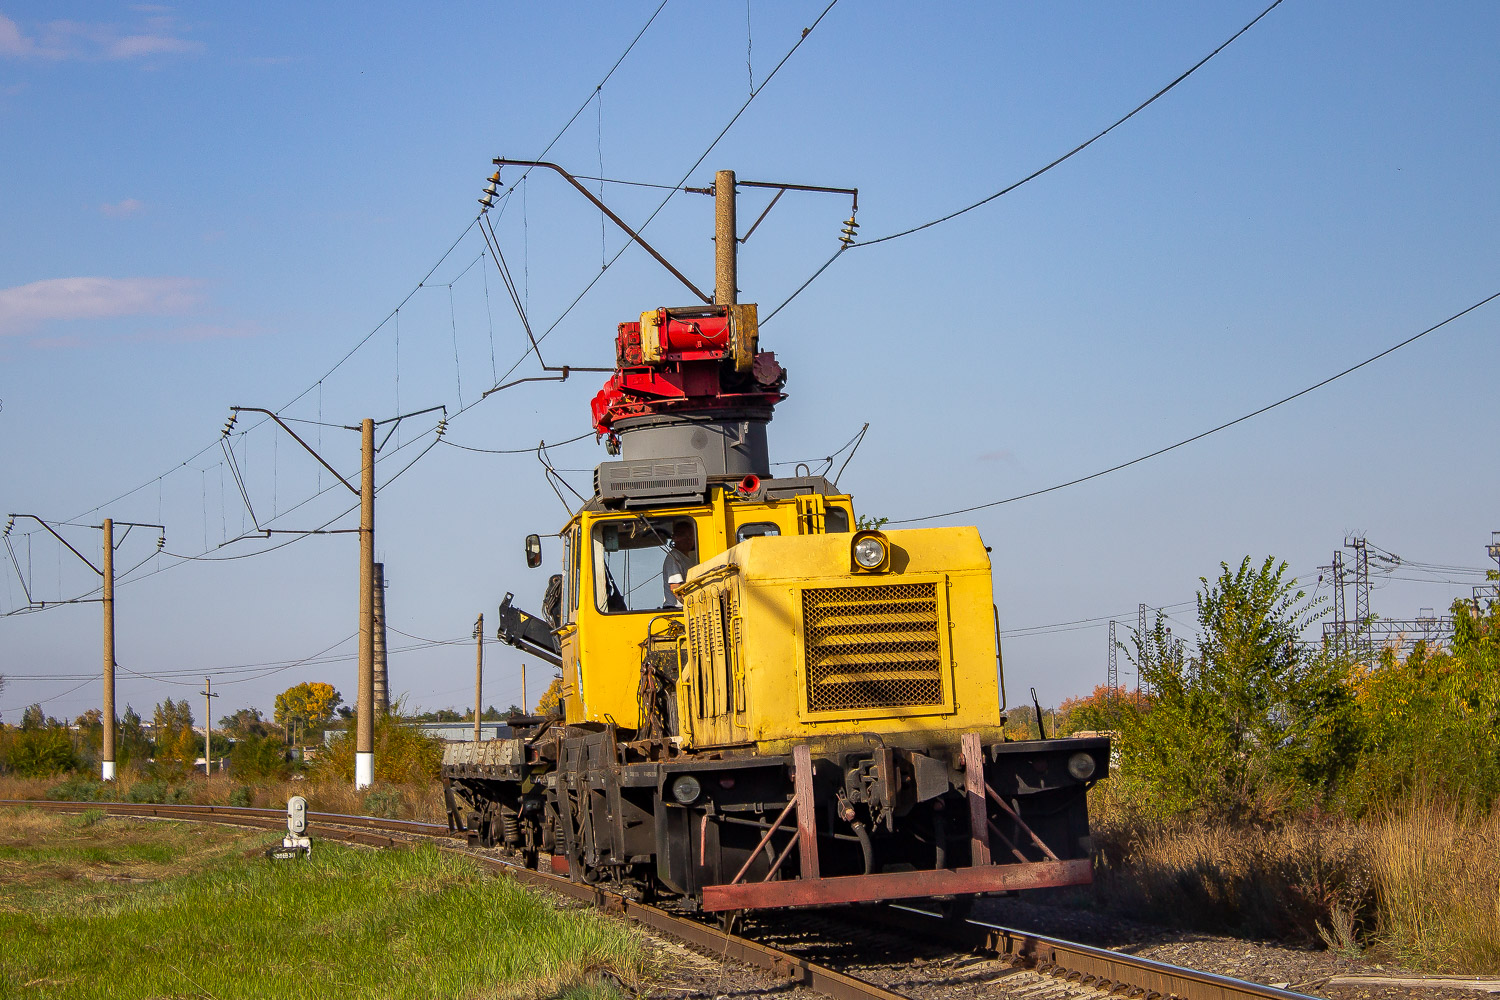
206	207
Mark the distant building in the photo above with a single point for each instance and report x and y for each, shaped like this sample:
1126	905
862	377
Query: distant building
452	732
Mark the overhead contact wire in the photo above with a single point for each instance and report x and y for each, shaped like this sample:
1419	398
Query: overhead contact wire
1212	430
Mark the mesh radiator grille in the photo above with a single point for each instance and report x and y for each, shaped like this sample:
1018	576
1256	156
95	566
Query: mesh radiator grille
874	646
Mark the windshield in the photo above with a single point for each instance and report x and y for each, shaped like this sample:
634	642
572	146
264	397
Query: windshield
639	562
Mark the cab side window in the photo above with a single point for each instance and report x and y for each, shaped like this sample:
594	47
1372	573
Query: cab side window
570	575
759	529
639	562
835	520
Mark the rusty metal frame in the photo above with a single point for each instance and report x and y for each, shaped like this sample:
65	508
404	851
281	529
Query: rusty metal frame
1019	821
979	834
897	885
807	826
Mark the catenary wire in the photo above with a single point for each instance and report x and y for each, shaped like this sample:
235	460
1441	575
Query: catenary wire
675	188
1213	430
1029	177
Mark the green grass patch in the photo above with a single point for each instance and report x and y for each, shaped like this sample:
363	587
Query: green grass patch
97	913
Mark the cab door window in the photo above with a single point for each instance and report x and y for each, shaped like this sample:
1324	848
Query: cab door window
639	562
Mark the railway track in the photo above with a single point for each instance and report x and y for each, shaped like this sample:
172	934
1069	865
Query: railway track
1012	962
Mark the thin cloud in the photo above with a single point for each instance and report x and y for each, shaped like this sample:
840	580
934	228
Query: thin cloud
1004	455
25	307
123	209
197	332
92	41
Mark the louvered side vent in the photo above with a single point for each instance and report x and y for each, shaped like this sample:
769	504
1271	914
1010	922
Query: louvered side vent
872	647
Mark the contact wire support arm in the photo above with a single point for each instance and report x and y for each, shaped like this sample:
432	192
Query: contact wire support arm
307	447
501	161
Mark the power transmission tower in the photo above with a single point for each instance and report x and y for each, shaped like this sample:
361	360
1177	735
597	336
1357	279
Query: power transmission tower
1489	592
1336	632
1363	645
106	571
1112	679
1140	630
208	726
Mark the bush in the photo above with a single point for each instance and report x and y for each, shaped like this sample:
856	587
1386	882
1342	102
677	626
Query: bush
242	796
383	801
41	753
78	789
260	758
403	755
147	791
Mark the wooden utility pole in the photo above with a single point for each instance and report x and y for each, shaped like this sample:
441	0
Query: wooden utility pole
208	726
364	739
726	243
107	751
478	672
364	701
106	571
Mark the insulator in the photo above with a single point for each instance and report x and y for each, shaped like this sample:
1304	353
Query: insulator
849	234
490	190
495	177
442	427
487	200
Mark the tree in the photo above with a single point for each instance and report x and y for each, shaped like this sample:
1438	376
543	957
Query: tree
170	721
130	738
1254	716
547	703
32	717
309	703
244	722
1428	721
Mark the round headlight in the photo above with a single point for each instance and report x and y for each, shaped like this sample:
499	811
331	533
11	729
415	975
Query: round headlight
869	552
1081	766
686	789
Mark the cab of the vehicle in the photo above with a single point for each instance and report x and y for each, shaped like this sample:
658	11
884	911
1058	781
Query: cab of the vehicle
619	564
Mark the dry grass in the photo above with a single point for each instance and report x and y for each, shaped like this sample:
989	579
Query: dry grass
1437	869
1419	884
1304	880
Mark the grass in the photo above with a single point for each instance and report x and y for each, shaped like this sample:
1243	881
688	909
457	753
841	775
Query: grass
420	801
1418	885
1437	868
121	908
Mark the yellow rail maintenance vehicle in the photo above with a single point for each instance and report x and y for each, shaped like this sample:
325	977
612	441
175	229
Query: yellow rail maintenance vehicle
763	706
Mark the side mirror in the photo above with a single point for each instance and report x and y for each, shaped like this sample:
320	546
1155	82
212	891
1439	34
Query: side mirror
533	551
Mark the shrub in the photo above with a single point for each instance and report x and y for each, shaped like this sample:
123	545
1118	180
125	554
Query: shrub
383	801
260	758
41	752
403	755
147	791
78	789
242	796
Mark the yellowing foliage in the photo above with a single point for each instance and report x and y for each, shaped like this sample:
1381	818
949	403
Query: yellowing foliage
311	703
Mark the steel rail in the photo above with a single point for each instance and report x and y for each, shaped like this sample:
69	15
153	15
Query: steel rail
729	947
1097	967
